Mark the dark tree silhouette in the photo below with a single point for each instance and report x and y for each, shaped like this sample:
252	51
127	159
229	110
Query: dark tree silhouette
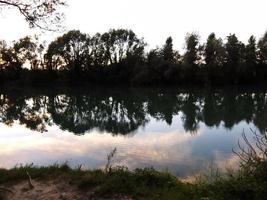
118	57
120	44
263	49
191	56
249	69
214	51
215	58
167	51
26	50
68	52
234	52
10	62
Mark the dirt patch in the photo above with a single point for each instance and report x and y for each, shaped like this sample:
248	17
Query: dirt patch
44	190
49	190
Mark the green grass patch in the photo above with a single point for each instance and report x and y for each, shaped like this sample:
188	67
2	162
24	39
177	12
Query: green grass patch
139	184
148	183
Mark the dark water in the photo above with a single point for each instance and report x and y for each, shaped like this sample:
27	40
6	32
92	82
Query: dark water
182	131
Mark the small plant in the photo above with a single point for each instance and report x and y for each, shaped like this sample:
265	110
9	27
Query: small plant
108	167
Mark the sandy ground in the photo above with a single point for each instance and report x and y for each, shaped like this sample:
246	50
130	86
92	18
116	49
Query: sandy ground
49	190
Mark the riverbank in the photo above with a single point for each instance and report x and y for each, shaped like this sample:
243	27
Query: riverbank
62	182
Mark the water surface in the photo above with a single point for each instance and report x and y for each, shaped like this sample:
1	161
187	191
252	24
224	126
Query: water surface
179	130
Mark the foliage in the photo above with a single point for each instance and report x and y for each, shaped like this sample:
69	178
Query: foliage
191	56
68	52
250	181
43	14
119	57
262	44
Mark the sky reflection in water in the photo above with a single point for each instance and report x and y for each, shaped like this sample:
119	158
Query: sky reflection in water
156	142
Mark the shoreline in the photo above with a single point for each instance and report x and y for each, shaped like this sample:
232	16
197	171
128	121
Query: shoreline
62	182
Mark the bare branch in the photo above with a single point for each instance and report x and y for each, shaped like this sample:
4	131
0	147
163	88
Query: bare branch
252	153
43	14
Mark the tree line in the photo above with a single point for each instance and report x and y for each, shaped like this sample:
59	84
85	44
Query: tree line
119	57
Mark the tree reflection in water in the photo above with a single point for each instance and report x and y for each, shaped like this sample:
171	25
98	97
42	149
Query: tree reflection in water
123	111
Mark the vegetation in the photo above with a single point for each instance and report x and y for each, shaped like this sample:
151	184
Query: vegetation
250	182
119	57
43	14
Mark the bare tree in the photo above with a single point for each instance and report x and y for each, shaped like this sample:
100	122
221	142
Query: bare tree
252	152
44	14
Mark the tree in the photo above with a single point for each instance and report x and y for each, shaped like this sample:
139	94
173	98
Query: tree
26	50
191	56
40	51
262	67
234	50
214	52
262	44
68	52
96	53
44	14
250	58
214	55
153	57
121	44
9	59
251	51
167	50
3	48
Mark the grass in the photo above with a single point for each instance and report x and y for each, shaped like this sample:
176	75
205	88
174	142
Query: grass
139	184
248	183
148	183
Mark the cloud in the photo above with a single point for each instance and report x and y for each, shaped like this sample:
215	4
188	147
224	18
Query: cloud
171	148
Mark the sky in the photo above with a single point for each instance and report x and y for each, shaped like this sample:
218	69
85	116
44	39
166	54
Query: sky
158	144
154	20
